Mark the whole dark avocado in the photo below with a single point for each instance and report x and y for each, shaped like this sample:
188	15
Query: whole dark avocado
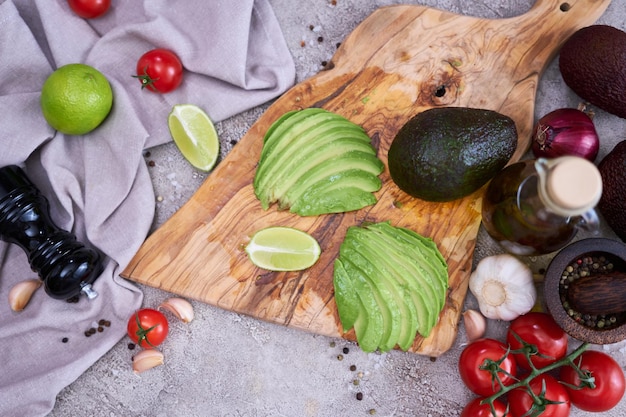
593	64
446	153
612	204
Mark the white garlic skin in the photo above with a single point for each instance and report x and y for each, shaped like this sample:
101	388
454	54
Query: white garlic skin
21	293
180	307
475	324
147	359
503	286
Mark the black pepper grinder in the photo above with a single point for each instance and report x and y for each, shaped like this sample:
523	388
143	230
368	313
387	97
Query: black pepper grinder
67	267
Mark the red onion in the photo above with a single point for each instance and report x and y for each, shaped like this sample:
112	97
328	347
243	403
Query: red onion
565	132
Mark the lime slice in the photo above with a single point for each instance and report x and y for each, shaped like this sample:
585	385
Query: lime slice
195	135
283	249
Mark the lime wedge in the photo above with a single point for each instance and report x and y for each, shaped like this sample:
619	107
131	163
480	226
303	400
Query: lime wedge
283	249
195	135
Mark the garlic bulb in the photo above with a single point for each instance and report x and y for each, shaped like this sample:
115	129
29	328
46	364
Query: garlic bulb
503	286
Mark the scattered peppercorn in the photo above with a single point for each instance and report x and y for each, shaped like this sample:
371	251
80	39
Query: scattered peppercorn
151	163
332	344
340	357
320	39
355	382
100	329
372	411
353	368
359	396
131	346
147	154
338	44
346	350
582	267
311	27
324	63
65	340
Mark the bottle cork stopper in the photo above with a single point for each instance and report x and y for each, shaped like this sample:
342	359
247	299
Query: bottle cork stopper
574	185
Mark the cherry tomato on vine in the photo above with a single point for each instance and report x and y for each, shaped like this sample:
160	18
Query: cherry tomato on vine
475	409
159	70
608	379
476	356
147	327
89	9
554	400
541	330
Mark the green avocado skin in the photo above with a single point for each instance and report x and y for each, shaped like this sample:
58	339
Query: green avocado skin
446	153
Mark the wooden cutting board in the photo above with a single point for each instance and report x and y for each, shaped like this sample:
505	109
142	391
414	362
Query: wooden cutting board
399	61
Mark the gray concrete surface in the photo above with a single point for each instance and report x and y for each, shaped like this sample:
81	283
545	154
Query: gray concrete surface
227	365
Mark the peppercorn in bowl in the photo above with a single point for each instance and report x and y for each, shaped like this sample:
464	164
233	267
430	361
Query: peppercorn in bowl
585	290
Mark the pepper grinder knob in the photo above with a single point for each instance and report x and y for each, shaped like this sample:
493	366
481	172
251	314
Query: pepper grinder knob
67	267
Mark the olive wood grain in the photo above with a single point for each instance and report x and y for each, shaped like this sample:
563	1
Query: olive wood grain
399	61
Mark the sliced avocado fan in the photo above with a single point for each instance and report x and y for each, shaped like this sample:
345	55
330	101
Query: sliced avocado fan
390	284
317	162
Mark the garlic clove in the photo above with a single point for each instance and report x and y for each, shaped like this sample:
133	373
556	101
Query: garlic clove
180	307
475	324
147	359
21	293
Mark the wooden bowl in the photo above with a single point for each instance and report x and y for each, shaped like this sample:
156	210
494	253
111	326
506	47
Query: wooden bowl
555	295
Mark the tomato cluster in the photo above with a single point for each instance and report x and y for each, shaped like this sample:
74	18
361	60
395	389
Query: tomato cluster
524	369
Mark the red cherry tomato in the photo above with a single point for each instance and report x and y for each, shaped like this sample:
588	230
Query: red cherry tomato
541	330
555	403
147	327
475	356
89	9
159	70
475	409
608	379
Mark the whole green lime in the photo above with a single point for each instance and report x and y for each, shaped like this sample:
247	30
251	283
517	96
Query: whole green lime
76	98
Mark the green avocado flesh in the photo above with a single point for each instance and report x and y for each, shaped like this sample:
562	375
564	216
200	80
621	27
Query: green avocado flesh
316	162
390	284
447	153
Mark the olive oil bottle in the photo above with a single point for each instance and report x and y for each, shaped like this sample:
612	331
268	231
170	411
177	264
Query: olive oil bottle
536	207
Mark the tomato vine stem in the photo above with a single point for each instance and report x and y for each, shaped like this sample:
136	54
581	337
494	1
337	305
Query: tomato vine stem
534	372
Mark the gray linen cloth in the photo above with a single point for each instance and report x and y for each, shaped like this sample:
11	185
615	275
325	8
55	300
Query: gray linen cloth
98	185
